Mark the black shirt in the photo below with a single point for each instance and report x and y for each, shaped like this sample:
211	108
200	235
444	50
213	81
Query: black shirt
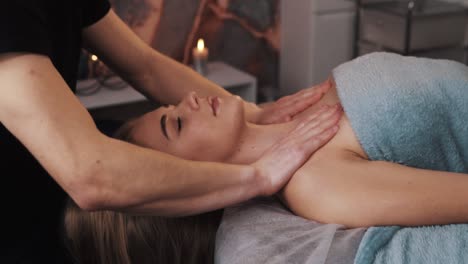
32	202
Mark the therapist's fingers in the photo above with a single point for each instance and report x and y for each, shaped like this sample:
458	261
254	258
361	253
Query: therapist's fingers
291	105
305	93
320	133
320	120
278	164
297	104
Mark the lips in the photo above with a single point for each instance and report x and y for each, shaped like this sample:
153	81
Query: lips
214	103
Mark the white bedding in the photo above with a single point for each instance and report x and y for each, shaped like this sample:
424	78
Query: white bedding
263	231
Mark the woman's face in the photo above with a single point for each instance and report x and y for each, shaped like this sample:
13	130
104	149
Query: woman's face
198	128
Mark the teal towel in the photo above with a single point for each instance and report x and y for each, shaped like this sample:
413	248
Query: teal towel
446	244
408	110
412	111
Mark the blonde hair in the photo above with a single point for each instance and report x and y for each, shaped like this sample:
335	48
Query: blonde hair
96	237
104	237
111	237
124	132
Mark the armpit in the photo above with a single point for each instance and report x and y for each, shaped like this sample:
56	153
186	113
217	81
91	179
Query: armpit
312	192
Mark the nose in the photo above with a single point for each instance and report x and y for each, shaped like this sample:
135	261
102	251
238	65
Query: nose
191	100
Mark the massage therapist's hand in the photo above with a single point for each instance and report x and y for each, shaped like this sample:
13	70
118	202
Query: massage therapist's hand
282	160
286	108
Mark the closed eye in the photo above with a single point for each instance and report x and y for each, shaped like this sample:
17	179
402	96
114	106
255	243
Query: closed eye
179	124
163	126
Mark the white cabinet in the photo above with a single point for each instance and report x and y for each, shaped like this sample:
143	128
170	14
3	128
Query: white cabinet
316	37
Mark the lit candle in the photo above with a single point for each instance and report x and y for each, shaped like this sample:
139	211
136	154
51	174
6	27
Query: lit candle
200	57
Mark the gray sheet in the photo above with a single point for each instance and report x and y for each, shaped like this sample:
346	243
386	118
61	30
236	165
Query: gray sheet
263	231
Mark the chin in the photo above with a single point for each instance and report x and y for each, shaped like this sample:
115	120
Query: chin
233	105
233	99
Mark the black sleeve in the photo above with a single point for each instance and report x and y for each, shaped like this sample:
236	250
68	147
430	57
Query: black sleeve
23	27
94	10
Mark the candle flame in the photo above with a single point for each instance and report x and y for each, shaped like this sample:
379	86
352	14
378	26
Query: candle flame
94	57
200	44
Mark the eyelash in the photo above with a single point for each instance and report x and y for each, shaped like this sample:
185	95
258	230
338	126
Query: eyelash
179	124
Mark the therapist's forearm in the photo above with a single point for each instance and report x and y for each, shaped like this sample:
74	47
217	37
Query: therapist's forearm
157	76
168	81
143	181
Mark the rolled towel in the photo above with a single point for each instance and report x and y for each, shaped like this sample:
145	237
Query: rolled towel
412	111
408	110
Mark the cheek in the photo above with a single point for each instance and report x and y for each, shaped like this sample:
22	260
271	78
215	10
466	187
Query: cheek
207	144
164	146
213	139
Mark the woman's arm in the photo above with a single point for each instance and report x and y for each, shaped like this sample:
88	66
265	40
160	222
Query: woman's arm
340	187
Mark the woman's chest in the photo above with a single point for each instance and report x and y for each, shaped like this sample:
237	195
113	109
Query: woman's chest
345	139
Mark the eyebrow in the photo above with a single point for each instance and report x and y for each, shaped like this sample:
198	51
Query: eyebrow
163	125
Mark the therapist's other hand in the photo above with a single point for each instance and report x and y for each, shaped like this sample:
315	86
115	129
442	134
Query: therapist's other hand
286	108
282	160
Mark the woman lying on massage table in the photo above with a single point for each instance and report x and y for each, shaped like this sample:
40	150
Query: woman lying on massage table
398	158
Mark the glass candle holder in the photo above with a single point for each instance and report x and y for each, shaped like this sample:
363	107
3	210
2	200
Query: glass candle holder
200	57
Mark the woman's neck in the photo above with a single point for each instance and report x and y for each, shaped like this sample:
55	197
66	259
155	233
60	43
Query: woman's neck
256	139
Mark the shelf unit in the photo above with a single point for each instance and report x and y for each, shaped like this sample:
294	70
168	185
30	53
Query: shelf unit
430	28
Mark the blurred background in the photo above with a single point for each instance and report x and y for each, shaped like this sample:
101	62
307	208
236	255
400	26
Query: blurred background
290	45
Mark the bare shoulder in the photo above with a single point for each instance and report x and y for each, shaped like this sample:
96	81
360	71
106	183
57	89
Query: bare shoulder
308	189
